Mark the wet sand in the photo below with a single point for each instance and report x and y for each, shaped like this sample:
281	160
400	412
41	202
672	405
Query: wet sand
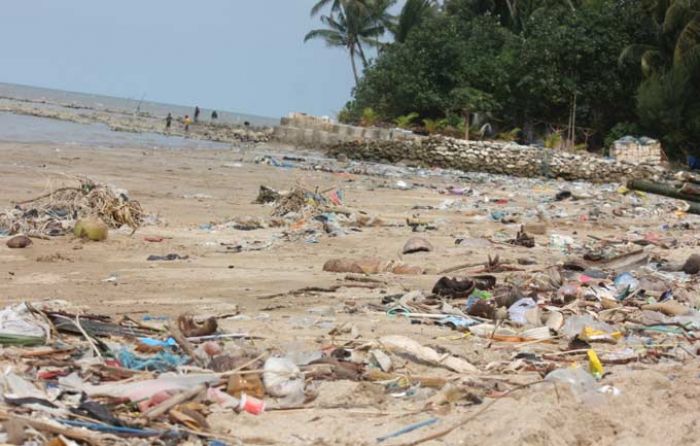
190	188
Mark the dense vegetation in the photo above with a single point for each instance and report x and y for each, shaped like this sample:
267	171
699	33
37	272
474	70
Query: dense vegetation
568	73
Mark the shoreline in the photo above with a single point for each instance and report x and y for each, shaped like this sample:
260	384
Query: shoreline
120	121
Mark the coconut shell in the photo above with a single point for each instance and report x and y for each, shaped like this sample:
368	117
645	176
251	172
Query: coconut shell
191	327
91	228
407	270
342	266
371	265
417	244
692	265
19	241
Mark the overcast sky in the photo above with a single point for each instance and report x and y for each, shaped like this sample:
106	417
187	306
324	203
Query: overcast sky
239	55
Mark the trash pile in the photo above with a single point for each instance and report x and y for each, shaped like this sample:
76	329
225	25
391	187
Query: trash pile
56	212
300	215
69	376
599	309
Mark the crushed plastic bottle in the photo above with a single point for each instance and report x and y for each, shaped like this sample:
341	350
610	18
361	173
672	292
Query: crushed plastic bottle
582	383
625	284
574	325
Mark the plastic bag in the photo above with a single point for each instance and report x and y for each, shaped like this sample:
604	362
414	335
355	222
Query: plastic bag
282	378
516	312
18	326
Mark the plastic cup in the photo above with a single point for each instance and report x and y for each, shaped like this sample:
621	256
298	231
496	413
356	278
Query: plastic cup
252	405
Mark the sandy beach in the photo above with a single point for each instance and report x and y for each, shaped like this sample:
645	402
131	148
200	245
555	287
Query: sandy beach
195	192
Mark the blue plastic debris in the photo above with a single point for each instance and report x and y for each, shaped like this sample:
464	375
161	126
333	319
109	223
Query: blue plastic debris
457	322
162	361
118	430
170	342
407	429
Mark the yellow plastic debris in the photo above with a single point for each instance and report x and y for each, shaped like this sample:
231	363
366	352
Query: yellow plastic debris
594	364
590	334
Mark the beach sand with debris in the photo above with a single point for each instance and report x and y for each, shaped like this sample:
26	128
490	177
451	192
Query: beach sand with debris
197	196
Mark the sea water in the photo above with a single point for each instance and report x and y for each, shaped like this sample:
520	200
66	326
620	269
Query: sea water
40	95
33	129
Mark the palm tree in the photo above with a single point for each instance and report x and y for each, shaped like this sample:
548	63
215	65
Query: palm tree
377	9
667	98
677	42
349	27
336	5
412	14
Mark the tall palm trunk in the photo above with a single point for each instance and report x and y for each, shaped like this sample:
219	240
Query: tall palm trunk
351	48
362	54
466	125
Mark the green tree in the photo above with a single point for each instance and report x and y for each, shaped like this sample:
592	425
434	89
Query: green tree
468	100
513	14
549	65
441	54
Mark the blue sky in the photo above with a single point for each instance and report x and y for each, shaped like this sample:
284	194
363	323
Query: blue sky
240	55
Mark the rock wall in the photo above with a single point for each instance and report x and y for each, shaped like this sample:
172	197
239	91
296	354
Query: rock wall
637	150
303	130
496	157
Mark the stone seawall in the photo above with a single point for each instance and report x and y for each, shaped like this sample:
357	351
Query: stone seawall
498	158
303	130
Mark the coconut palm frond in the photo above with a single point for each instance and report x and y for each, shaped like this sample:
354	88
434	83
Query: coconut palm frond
688	38
412	14
678	14
632	54
691	59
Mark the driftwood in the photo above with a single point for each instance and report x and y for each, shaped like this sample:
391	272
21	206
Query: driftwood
661	189
691	188
173	401
624	262
667	191
74	433
316	289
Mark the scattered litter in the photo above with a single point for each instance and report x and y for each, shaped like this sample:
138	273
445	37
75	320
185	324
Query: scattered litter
167	257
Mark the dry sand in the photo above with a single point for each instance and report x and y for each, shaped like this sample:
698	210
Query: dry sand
658	404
